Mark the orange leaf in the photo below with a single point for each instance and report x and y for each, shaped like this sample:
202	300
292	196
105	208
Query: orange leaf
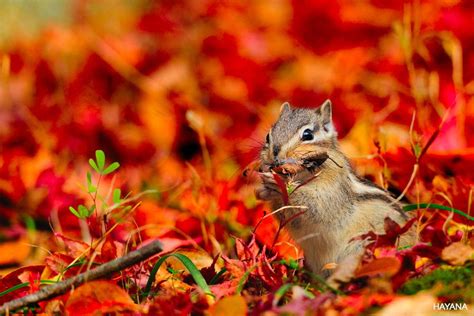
14	252
386	265
231	305
99	297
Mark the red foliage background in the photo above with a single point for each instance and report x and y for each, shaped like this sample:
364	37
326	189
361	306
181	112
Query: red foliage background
182	93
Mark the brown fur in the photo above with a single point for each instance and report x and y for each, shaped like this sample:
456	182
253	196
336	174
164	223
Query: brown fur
339	204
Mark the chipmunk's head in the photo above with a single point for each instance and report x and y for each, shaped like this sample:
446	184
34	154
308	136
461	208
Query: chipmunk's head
300	136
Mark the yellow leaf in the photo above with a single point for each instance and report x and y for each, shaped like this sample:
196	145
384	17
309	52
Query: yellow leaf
421	303
200	258
231	305
457	253
440	183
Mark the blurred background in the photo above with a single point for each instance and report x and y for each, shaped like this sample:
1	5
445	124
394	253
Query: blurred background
182	94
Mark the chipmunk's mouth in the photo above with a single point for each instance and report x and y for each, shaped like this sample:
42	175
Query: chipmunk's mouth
292	166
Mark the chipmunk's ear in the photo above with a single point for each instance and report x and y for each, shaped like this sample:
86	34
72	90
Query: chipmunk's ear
285	107
326	115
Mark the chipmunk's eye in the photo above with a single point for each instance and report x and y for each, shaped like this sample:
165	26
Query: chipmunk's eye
267	139
307	135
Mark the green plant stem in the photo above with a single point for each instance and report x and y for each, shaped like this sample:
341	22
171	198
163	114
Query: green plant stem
22	285
244	279
412	207
193	270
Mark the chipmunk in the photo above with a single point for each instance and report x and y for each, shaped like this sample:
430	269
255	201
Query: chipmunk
302	147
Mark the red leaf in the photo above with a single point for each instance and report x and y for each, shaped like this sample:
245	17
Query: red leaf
75	248
18	276
282	185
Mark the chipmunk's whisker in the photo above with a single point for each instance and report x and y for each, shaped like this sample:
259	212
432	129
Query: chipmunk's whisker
307	236
335	162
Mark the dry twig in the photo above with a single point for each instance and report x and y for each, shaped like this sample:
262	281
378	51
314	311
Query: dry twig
105	269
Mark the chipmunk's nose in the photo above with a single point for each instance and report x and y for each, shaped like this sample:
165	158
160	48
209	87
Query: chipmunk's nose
276	162
276	150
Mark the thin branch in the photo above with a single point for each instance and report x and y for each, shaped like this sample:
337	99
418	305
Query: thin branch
283	224
276	211
105	269
416	167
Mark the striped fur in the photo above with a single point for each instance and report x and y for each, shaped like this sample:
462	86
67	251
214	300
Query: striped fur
340	204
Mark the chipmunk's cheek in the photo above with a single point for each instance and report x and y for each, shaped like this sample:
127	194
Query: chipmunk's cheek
301	151
303	176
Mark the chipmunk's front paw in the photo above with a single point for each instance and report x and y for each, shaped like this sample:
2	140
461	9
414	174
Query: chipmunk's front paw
266	194
268	190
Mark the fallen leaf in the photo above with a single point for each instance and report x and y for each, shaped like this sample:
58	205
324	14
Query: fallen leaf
75	248
457	253
98	298
344	270
21	275
385	265
225	288
422	303
231	305
14	252
201	259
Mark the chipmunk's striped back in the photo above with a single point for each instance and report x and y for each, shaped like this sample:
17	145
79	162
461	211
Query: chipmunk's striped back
340	204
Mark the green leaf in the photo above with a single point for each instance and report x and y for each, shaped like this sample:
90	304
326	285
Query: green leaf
91	188
411	207
217	276
100	159
282	291
83	211
73	211
113	166
91	210
174	272
29	223
290	263
14	288
193	270
94	165
78	264
417	150
116	196
290	188
22	285
244	279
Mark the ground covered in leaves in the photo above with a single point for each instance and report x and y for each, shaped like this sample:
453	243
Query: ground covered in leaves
171	101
